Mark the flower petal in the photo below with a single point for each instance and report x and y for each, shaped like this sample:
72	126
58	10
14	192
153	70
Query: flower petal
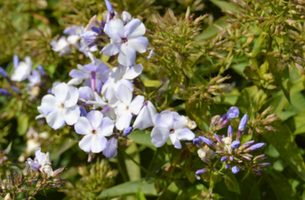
143	120
139	43
165	119
72	96
48	104
71	115
98	143
115	29
83	126
134	28
175	141
127	55
136	104
124	94
159	136
123	121
133	71
74	73
111	49
85	143
56	119
179	121
106	127
184	134
95	117
111	149
61	91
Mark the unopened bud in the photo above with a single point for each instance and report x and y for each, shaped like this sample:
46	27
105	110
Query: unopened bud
255	147
235	170
235	144
243	123
127	131
208	141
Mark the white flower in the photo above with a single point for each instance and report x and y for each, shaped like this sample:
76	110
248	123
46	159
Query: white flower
120	75
125	40
62	46
41	162
95	128
170	125
146	116
60	108
22	70
127	107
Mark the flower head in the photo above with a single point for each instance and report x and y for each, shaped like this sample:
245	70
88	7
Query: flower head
125	40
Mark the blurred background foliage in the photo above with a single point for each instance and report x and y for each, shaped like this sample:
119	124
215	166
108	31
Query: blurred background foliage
210	55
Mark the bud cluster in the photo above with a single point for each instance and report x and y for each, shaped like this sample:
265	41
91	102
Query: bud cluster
229	151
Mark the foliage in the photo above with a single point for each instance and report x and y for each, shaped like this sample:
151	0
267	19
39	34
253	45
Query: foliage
203	59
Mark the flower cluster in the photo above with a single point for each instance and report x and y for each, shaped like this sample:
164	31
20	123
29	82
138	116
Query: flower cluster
99	101
232	153
42	163
23	70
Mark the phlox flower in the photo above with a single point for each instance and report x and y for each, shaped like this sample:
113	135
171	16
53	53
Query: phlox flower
60	108
92	72
170	125
125	40
22	70
120	75
111	149
41	162
146	116
127	107
95	128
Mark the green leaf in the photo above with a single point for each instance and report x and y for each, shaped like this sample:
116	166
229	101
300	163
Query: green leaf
171	192
280	73
212	30
258	44
128	188
283	141
281	187
23	124
140	195
142	137
232	183
225	5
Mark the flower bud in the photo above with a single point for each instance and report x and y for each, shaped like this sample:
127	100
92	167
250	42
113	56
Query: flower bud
4	92
16	60
231	158
259	158
235	144
15	89
99	87
224	158
235	170
247	144
126	16
3	72
197	141
218	138
200	172
127	131
233	112
208	141
255	147
230	131
96	29
83	111
59	170
243	123
227	166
